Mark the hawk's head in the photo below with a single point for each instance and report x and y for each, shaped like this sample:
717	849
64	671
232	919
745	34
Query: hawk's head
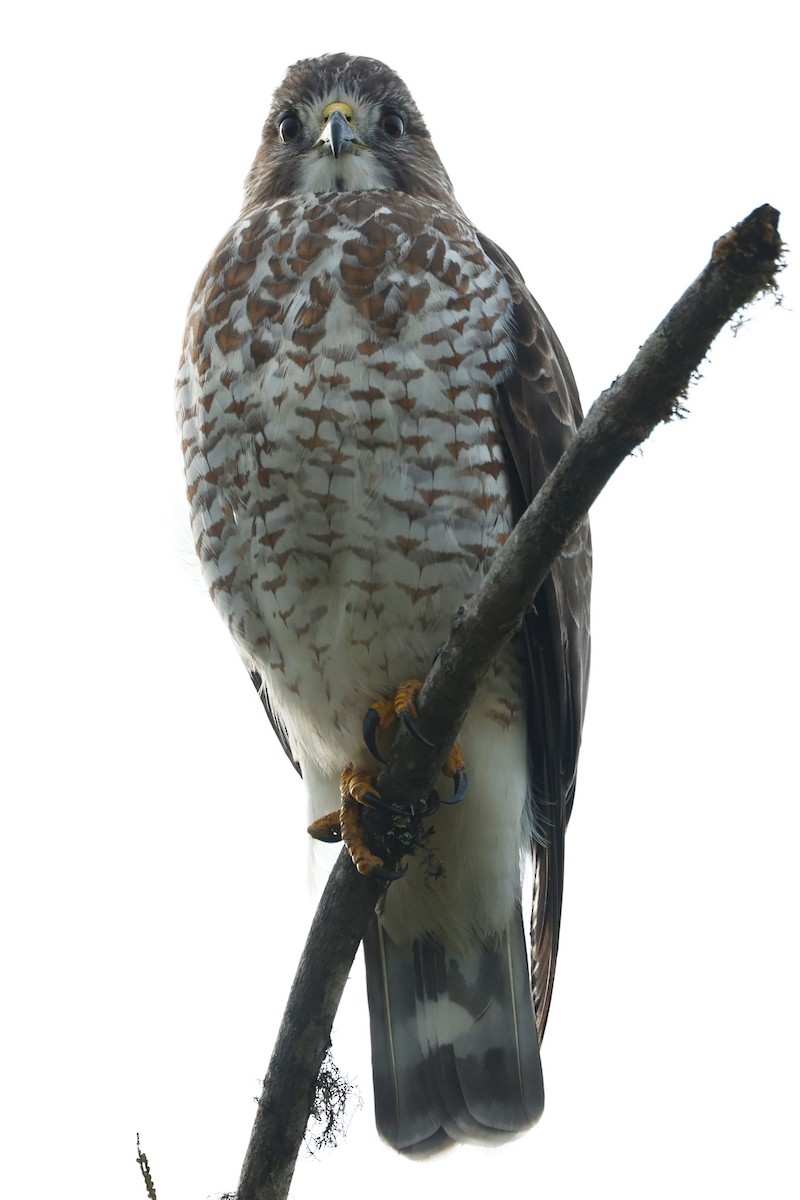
339	123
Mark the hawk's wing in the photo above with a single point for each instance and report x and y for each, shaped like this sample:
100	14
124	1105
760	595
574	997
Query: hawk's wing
538	413
274	720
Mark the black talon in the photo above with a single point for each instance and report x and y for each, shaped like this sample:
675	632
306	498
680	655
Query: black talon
412	729
369	729
459	787
432	802
378	802
388	873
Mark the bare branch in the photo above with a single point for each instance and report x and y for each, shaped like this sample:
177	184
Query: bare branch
744	263
304	1035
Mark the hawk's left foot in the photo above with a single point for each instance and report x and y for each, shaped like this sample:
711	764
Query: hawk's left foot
382	715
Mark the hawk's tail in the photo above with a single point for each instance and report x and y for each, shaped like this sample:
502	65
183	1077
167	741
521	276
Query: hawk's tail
455	1056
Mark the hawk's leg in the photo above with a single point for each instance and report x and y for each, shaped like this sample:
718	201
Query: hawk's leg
382	715
357	791
393	827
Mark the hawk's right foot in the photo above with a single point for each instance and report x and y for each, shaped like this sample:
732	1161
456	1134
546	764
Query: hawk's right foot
357	792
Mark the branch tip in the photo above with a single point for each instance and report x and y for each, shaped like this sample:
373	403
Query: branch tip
753	249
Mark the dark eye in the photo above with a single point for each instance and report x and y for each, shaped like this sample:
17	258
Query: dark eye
393	125
288	128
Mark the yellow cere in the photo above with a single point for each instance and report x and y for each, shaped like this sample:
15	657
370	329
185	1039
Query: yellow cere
338	106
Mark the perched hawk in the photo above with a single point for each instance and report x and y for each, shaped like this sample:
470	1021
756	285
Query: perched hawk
368	398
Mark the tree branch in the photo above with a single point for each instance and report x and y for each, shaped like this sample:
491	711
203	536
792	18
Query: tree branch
744	263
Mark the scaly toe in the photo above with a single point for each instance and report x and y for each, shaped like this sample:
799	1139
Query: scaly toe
406	710
364	860
327	828
454	767
380	716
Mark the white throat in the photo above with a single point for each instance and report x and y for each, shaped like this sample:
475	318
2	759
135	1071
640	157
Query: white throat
354	170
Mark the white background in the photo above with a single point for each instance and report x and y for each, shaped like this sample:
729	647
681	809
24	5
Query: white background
154	857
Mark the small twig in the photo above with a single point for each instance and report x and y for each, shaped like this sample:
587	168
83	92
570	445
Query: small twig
743	264
144	1167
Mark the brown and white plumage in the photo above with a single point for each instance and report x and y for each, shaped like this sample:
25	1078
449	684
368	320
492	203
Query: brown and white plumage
368	398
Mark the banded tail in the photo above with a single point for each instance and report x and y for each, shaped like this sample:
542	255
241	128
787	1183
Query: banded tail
455	1055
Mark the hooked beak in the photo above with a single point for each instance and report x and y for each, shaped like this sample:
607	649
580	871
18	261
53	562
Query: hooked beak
338	132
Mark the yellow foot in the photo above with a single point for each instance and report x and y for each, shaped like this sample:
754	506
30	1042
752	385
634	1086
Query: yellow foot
357	787
382	715
327	828
344	825
454	761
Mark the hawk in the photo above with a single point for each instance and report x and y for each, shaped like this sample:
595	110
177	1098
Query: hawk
368	398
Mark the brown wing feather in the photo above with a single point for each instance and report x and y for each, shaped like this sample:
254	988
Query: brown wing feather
538	412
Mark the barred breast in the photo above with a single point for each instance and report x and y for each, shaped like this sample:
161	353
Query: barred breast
344	469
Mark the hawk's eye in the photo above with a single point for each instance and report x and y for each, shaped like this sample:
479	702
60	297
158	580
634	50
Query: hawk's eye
393	125
288	128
